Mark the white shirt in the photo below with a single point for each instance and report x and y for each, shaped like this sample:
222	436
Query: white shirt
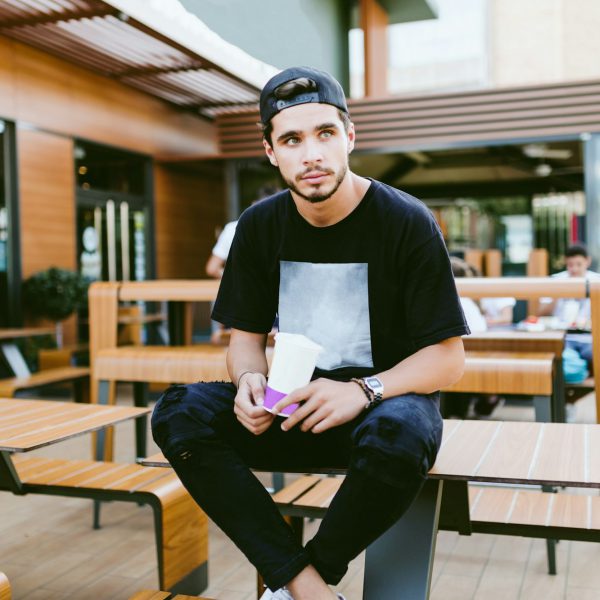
493	307
475	319
571	311
223	245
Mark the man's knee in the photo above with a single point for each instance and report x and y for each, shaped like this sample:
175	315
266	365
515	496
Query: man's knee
187	412
399	439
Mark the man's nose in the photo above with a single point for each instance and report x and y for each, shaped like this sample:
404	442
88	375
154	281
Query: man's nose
312	152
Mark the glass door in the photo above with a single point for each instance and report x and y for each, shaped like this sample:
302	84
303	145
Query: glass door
112	240
114	213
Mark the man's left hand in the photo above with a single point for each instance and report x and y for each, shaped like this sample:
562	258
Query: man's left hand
324	403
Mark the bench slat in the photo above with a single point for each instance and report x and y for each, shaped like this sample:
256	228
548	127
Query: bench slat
295	489
145	480
570	510
94	475
53	469
321	494
41	378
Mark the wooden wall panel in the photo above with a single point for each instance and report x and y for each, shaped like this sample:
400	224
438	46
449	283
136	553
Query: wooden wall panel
58	96
47	191
188	207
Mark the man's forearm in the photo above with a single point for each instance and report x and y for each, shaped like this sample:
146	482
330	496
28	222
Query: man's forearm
246	354
430	369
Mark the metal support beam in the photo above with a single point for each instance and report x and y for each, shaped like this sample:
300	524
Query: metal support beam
592	196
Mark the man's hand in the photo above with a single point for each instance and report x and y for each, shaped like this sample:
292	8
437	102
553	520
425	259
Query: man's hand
248	403
324	404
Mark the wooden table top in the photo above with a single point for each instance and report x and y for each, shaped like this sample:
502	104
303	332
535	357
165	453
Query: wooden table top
29	424
510	452
21	332
520	452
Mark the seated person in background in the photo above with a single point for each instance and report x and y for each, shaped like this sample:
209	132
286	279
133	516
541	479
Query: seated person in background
218	258
498	312
459	404
574	313
473	314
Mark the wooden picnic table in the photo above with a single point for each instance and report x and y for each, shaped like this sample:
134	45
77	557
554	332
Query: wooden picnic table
529	453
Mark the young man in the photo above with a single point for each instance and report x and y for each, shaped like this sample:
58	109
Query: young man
574	313
361	269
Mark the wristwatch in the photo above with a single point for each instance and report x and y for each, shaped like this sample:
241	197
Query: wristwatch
373	389
375	386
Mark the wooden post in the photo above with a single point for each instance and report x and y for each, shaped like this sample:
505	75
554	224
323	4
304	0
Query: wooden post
374	21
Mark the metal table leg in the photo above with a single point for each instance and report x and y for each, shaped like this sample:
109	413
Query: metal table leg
399	563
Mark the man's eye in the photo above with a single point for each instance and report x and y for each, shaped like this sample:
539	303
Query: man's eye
292	141
326	134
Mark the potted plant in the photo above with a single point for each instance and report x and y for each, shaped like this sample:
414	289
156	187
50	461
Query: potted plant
54	294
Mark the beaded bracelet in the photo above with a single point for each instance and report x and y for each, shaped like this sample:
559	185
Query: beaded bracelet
368	393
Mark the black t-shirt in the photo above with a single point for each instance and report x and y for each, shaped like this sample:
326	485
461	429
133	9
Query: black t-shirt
372	289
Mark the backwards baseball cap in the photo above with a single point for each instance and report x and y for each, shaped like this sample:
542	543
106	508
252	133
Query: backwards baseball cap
323	89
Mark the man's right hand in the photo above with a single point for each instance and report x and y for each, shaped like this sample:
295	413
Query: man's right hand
248	403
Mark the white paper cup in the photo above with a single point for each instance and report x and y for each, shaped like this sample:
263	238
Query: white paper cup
294	361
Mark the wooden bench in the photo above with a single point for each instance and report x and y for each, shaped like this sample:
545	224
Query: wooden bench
516	373
181	528
495	510
5	593
79	376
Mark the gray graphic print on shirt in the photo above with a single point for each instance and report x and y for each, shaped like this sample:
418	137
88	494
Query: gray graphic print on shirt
328	303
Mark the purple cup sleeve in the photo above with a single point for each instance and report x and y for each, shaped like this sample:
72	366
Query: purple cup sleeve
272	397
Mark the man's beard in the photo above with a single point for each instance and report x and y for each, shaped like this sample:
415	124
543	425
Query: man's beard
316	195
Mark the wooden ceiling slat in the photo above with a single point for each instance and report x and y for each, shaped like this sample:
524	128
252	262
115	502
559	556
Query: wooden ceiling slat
91	34
60	44
368	105
56	17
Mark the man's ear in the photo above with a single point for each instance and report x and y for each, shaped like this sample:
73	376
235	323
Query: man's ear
269	152
351	137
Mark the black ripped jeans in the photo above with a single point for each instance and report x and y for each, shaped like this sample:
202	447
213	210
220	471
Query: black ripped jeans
387	451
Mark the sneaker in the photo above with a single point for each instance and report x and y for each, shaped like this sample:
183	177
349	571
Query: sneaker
280	594
283	594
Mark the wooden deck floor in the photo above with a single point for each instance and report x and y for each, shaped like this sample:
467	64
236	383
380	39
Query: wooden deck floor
49	551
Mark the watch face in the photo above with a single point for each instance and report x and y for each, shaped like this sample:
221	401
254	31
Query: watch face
374	383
